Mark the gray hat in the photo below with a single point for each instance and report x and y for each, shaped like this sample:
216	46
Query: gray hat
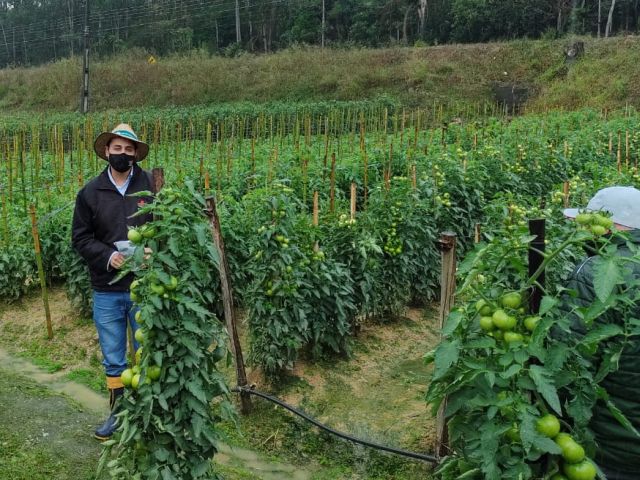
623	203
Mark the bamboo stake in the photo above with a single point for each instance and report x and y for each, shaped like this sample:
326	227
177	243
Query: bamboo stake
43	282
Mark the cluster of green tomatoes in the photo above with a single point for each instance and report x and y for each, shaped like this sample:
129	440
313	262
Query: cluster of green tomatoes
502	323
597	223
393	245
575	464
131	376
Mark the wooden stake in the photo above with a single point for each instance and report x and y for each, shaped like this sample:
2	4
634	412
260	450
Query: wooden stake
353	201
332	190
626	150
227	301
565	192
477	234
158	179
43	282
447	292
316	208
414	177
619	155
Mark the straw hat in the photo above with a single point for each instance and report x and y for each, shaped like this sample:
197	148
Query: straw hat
123	131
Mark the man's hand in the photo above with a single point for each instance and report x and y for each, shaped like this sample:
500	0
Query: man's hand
117	260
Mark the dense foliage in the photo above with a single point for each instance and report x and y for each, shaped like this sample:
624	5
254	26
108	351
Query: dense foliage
519	385
307	287
37	32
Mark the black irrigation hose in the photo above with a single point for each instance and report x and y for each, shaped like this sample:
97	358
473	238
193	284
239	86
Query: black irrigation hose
397	451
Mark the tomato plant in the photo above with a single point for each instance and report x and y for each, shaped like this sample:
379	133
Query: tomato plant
509	396
167	424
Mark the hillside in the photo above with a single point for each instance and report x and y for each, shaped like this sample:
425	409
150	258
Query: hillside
605	77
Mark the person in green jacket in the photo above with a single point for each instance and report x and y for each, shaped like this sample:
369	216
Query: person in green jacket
618	453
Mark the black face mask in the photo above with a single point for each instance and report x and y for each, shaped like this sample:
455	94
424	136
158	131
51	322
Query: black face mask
121	162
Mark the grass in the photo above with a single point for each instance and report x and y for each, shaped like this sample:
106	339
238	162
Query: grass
415	76
43	434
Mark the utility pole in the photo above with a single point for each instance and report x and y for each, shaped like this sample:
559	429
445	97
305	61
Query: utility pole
323	22
238	36
84	106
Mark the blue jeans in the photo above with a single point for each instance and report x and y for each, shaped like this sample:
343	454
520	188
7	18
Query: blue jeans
111	310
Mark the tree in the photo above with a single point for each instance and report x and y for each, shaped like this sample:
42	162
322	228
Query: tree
609	26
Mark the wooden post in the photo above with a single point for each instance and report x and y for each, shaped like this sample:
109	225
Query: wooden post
158	179
536	257
353	201
619	155
626	162
477	233
43	282
414	177
227	300
207	183
565	193
447	292
316	208
332	190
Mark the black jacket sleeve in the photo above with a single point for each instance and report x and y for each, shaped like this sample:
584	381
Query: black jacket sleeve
95	252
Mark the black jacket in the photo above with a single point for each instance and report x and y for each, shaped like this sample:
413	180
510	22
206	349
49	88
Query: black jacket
618	448
100	218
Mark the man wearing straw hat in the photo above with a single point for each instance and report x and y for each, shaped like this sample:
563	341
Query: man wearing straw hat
102	216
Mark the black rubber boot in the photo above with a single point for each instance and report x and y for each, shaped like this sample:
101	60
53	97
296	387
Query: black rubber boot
104	431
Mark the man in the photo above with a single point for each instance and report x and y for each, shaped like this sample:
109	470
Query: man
102	216
618	448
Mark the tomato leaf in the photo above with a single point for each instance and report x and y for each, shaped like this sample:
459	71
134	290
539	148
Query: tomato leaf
607	274
446	355
616	412
453	320
545	387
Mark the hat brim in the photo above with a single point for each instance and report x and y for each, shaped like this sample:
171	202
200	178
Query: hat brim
571	212
142	149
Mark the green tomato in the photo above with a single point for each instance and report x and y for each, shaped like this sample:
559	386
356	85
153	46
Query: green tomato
154	372
503	321
572	452
598	230
134	236
602	221
126	377
562	438
139	335
548	425
483	308
530	323
511	300
584	218
511	337
585	470
486	324
135	381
